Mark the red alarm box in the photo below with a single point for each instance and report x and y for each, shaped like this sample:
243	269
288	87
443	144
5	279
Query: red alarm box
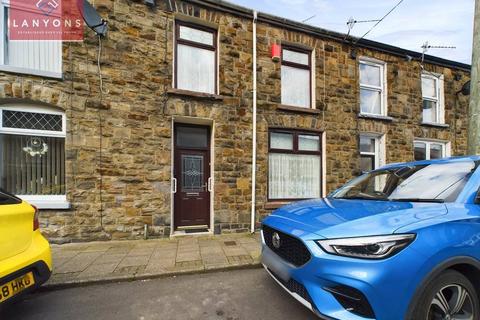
276	52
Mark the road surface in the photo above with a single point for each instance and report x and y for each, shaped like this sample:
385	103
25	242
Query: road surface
231	295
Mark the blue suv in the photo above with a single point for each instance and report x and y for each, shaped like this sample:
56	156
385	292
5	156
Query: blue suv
400	242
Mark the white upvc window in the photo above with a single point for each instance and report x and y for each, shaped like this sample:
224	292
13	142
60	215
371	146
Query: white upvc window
433	106
372	151
430	149
373	94
42	58
32	155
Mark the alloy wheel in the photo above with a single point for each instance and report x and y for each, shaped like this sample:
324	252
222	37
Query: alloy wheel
452	302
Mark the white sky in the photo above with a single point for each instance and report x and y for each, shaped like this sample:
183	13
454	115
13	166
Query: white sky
440	22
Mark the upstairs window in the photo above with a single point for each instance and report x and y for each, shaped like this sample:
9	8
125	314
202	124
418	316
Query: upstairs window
296	77
432	101
32	155
195	59
36	57
372	88
294	165
372	149
429	150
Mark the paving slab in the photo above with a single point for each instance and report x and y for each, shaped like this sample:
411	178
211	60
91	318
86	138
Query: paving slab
100	262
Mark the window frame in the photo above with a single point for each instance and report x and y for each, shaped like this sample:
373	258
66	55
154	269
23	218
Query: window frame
295	133
40	201
382	89
379	152
308	67
214	48
439	100
4	4
446	152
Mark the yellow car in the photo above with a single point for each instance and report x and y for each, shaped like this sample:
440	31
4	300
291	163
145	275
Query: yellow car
25	257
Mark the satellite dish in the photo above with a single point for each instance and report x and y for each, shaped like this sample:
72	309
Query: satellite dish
93	19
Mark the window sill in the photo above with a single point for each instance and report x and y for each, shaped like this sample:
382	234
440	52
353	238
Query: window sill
375	117
435	125
284	107
33	72
275	205
194	94
47	202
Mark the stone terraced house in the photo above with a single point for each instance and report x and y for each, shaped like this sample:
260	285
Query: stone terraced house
192	91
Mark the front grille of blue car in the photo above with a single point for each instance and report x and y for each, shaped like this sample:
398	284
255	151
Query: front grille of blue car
291	249
294	286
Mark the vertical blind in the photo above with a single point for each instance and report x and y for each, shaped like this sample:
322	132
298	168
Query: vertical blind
35	55
38	55
32	165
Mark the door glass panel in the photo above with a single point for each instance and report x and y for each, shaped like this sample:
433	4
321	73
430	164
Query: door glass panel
192	137
192	173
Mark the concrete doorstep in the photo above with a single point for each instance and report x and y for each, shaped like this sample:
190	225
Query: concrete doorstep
99	262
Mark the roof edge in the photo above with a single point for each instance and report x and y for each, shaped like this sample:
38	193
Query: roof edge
325	33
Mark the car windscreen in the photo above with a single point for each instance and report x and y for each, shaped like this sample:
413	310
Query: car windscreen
7	198
436	182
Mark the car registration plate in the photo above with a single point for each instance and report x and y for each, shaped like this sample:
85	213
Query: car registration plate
14	287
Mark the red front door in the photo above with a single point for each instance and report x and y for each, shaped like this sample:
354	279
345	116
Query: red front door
192	174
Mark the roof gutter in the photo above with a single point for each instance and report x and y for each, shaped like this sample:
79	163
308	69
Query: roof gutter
324	33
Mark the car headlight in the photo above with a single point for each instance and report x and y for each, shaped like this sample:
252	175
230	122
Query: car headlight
377	247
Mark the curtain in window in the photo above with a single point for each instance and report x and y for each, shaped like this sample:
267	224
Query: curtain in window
32	165
294	176
195	69
370	101
295	87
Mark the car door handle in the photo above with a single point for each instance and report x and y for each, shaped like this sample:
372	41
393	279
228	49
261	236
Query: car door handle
174	184
209	184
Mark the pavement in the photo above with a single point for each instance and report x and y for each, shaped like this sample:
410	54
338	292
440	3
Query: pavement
100	262
233	295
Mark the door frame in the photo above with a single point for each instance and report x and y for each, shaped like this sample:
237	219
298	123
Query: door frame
201	122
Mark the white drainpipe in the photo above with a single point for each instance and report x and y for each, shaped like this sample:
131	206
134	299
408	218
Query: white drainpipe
254	132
